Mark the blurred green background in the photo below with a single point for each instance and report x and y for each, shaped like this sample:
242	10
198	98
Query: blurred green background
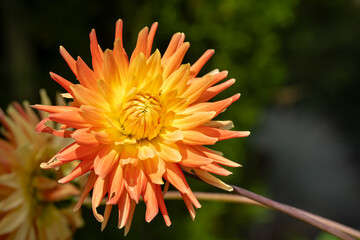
297	65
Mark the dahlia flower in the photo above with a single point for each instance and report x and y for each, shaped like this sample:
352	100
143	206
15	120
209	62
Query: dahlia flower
139	122
27	193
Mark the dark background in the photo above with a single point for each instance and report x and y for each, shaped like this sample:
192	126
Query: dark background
297	67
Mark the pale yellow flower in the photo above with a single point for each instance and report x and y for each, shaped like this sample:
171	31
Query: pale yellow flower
27	193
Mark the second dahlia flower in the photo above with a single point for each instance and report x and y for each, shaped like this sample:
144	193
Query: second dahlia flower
138	122
33	205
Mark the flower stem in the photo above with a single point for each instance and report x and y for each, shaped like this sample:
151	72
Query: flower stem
236	198
319	222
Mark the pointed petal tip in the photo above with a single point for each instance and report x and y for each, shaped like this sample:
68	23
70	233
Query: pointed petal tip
44	165
244	133
235	97
61	181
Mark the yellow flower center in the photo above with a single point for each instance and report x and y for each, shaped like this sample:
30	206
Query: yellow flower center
142	117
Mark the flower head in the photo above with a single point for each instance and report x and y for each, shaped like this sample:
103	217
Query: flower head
139	121
27	193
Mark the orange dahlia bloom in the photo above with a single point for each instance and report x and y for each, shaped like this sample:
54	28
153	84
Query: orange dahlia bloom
139	121
27	193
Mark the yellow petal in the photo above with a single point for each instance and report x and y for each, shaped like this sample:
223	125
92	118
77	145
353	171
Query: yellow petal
210	179
167	152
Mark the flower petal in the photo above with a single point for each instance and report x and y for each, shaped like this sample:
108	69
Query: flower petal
105	161
152	207
155	169
210	179
83	167
194	120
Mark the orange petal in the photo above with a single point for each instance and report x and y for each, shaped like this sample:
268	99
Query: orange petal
89	185
175	60
119	29
105	161
121	59
70	153
99	191
69	60
189	206
116	185
167	152
62	81
54	109
97	60
215	168
110	69
106	136
133	176
216	158
94	116
176	40
83	167
194	120
193	199
76	152
215	90
196	88
129	220
71	119
141	44
106	216
192	157
124	209
196	67
154	168
177	80
161	203
85	137
151	38
85	75
196	136
175	176
41	127
152	207
218	106
87	97
203	133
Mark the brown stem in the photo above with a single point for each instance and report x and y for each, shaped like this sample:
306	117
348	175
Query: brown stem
219	197
294	212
